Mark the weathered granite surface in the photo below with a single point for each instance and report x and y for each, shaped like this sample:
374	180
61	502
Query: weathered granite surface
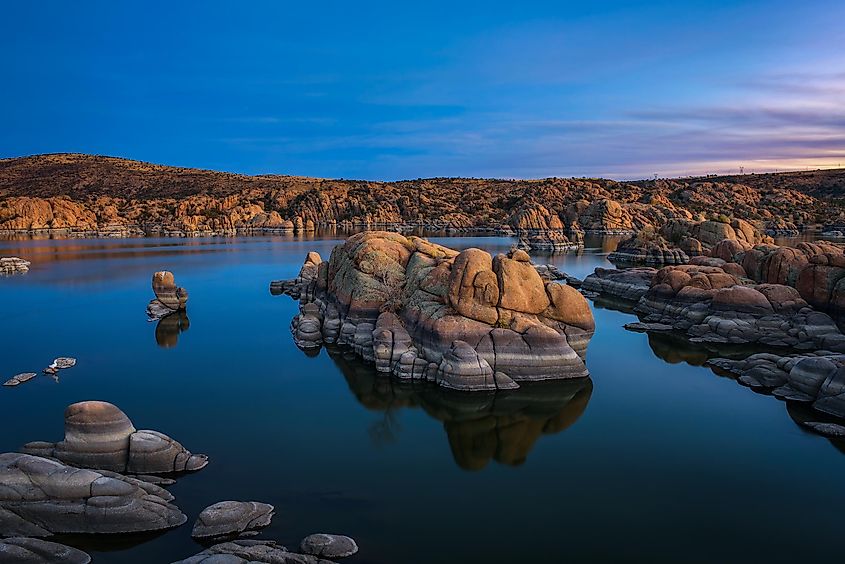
328	545
628	284
25	550
40	497
249	552
99	435
169	299
403	303
232	518
711	305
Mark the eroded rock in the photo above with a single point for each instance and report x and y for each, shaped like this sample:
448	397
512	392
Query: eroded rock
232	518
25	550
99	435
328	545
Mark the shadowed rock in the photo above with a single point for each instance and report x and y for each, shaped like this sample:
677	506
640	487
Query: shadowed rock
99	435
232	518
40	497
24	550
330	546
406	303
250	551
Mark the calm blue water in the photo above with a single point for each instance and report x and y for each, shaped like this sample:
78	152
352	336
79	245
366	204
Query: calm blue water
654	459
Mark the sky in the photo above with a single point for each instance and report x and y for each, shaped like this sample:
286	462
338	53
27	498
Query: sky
403	90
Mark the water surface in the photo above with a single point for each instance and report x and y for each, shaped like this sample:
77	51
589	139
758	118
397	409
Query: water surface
654	458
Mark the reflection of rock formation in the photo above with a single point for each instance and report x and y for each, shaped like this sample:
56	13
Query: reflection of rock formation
675	348
421	311
501	426
170	326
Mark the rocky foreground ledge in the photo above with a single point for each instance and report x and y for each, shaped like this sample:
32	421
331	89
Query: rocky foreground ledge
421	311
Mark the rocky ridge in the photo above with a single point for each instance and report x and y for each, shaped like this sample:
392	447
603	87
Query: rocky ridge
104	196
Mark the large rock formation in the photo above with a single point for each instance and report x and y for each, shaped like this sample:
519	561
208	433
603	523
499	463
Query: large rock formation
99	435
712	305
40	497
404	302
680	239
816	270
169	299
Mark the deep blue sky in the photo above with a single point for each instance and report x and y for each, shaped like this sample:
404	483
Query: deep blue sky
389	90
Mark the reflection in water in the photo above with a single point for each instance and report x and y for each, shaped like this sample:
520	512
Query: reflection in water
170	326
479	426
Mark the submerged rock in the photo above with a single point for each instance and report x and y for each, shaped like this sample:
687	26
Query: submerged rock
99	435
40	497
232	518
169	297
250	551
20	379
330	546
406	303
25	550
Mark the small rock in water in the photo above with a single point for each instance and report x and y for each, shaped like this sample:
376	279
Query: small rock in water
13	265
231	518
19	379
329	546
51	370
640	327
64	362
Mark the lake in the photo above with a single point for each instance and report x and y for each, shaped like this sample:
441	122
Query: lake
654	458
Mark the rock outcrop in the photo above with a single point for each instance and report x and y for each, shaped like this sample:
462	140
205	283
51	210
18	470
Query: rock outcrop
328	545
19	379
405	302
816	270
99	435
549	241
629	284
40	497
232	518
816	379
251	552
169	297
715	306
13	265
25	550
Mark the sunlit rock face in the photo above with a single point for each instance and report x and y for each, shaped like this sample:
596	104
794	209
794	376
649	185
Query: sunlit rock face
712	305
816	270
40	497
169	299
410	306
99	435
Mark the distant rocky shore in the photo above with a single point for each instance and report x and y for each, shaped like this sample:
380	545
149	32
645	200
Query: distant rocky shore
92	196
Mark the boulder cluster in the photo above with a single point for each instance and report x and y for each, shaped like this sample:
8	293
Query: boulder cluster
677	241
421	311
815	270
105	477
169	298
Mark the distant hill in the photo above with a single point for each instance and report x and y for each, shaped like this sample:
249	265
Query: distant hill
88	193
